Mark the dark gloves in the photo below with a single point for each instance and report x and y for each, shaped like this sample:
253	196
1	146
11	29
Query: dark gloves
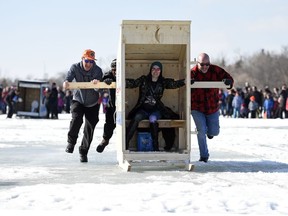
191	81
182	82
108	81
227	81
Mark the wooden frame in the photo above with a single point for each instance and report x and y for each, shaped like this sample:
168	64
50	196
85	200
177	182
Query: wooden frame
141	43
32	92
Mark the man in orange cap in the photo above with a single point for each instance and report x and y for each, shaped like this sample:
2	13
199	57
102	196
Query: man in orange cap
84	103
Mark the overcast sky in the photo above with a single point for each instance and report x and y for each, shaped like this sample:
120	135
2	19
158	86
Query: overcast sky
42	38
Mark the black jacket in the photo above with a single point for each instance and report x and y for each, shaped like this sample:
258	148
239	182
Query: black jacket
112	92
144	83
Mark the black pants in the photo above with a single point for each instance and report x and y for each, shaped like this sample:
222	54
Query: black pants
10	109
167	133
110	124
91	115
253	113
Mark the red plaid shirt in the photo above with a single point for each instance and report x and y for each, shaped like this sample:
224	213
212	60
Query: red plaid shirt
206	100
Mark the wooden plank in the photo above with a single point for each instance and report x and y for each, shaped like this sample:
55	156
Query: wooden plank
209	84
163	123
125	165
190	167
157	156
90	85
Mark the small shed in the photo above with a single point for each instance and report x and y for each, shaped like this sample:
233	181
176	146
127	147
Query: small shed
32	94
141	43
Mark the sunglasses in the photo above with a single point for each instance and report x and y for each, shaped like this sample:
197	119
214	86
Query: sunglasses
88	61
204	64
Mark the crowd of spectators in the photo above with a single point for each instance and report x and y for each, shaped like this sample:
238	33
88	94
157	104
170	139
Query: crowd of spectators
54	98
246	102
250	102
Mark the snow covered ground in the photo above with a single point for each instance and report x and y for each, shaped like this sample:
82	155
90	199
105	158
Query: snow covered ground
247	173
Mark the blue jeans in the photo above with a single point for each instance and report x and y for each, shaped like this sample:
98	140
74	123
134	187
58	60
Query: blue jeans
139	116
205	124
152	116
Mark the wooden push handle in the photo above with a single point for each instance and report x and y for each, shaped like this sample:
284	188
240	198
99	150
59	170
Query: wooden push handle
209	84
90	85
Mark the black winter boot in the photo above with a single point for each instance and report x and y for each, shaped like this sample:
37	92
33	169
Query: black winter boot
130	132
83	155
70	148
100	148
169	137
154	135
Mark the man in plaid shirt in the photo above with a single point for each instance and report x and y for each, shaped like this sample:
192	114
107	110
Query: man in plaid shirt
205	101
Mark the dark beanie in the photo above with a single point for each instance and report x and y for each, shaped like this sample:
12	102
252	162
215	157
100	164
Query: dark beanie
160	66
156	63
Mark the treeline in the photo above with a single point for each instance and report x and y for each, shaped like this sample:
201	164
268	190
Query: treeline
261	69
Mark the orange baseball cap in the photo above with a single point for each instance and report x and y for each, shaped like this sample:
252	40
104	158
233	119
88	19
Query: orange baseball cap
89	54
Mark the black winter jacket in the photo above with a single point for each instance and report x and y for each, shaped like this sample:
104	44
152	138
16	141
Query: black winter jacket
112	92
144	83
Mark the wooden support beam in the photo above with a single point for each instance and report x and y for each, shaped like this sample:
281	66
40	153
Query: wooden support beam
190	167
90	85
209	84
125	165
102	85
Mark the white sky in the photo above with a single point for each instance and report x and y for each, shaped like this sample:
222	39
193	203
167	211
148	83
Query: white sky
39	39
247	173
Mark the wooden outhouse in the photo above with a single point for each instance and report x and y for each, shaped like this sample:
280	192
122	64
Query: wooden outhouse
141	43
32	93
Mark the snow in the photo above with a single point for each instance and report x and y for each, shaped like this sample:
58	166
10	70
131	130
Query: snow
247	173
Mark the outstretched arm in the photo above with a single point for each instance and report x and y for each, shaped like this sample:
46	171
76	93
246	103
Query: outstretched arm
173	84
134	83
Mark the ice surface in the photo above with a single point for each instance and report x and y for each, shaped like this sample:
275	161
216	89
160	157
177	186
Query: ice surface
246	173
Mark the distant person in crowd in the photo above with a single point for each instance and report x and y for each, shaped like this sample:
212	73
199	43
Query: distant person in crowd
2	102
253	107
60	103
286	106
84	103
46	102
268	106
281	112
5	92
110	108
205	102
275	107
276	92
244	111
247	87
67	100
229	99
149	105
61	96
11	99
258	99
53	101
237	103
222	102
